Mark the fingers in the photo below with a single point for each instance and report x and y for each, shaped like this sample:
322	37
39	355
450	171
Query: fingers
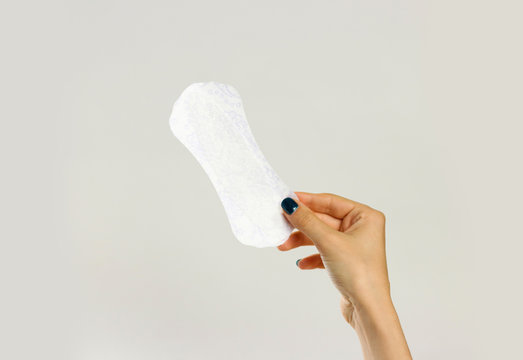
311	262
296	239
302	218
333	205
329	220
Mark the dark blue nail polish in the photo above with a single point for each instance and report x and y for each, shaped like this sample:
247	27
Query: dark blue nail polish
289	205
297	262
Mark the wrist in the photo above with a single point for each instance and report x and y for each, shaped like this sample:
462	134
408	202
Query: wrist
371	294
377	324
373	310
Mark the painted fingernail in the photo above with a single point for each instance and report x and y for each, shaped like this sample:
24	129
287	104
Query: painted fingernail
289	205
297	262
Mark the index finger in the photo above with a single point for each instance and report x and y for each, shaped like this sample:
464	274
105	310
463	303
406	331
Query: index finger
333	205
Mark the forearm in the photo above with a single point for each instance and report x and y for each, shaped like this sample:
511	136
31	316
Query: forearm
379	330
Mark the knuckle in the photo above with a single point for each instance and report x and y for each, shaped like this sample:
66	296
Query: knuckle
380	216
376	215
327	194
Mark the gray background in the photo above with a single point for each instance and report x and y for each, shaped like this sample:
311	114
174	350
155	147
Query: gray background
115	245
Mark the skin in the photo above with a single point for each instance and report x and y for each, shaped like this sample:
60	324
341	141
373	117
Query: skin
350	239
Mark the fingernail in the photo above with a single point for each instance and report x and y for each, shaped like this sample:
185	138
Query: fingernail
297	262
289	205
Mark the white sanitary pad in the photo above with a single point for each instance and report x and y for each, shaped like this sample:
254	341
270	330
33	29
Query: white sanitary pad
208	118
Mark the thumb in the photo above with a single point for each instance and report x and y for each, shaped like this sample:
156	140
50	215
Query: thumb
303	219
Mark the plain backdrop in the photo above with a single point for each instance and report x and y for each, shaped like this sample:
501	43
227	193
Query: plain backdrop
114	242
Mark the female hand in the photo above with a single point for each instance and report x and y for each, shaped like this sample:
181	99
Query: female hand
350	239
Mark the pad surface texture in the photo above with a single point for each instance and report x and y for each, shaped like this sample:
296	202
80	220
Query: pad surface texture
208	118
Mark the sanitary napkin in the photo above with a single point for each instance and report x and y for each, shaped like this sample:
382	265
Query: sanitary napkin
208	118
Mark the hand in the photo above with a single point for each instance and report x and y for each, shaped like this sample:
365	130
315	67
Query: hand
350	239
